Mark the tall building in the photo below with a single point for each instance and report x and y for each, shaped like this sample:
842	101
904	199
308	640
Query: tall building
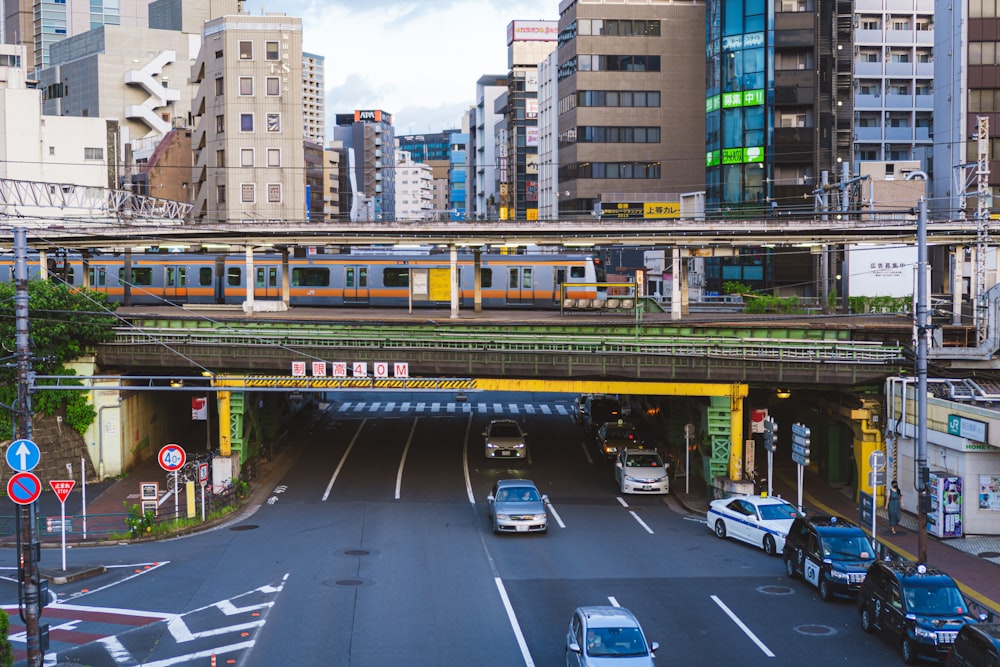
894	80
369	139
457	173
413	189
433	149
38	24
248	136
630	102
314	97
334	182
483	153
528	43
548	133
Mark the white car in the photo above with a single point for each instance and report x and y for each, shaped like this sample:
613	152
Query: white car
758	520
641	471
504	439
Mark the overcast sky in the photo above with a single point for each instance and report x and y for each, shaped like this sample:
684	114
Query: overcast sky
417	59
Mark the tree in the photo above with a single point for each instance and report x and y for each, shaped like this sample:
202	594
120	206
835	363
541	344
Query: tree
63	323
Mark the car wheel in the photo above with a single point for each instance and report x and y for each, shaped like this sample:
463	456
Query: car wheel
825	592
910	656
866	621
790	568
720	528
769	546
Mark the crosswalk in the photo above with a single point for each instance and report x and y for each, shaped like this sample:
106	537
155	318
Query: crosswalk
356	408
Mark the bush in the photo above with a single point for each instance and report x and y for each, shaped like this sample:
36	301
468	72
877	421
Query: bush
6	652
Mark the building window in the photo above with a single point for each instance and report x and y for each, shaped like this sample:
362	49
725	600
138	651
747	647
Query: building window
274	122
246	122
272	52
246	157
218	54
220	86
273	86
220	193
52	150
248	193
273	157
220	158
246	50
220	124
246	85
93	153
274	193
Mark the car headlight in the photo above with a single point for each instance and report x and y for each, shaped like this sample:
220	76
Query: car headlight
839	576
924	633
490	445
502	517
539	517
519	445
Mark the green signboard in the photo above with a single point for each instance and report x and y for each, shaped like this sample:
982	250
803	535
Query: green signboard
753	98
730	100
967	428
712	158
712	104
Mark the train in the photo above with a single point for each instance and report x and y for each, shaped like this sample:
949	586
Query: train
316	277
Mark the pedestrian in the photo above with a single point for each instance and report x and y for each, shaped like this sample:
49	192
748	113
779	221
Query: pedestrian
894	505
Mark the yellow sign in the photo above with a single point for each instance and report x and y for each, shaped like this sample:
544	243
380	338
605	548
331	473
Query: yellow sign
644	210
440	285
531	214
651	210
503	212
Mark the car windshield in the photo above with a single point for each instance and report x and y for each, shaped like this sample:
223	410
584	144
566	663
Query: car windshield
615	642
777	512
933	600
519	494
848	547
651	460
505	431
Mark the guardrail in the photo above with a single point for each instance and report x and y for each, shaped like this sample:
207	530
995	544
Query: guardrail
410	338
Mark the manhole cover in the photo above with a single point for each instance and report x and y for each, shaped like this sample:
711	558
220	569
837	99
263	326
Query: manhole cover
814	630
346	583
989	554
356	552
349	582
775	590
246	526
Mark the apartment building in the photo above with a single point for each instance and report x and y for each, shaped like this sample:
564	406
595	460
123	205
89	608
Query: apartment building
249	130
314	97
370	142
483	148
414	200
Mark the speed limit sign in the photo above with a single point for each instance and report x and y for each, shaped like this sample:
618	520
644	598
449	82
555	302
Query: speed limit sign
172	457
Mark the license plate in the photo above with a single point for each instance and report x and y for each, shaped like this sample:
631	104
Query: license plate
522	529
506	452
647	487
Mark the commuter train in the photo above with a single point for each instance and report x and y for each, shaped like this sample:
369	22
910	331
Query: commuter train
316	278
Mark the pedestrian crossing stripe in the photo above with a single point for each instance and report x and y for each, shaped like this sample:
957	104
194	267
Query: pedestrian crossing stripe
436	407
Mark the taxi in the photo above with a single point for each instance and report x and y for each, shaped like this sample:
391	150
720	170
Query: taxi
762	521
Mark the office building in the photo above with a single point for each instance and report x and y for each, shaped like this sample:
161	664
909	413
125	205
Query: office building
631	112
457	174
433	149
369	139
248	136
548	133
483	149
413	189
314	97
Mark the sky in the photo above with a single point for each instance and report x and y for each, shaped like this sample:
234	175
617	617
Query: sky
419	60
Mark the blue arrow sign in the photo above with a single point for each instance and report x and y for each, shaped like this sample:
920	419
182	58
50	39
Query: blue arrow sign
23	455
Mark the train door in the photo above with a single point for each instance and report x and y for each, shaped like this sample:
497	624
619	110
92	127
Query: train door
520	287
175	285
220	279
267	285
356	284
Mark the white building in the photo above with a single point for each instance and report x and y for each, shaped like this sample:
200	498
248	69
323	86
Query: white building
484	153
548	135
414	189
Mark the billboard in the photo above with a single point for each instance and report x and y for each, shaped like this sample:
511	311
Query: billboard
881	270
532	31
641	210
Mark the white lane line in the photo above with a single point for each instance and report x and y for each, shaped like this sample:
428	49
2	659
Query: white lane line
402	460
465	461
613	601
621	501
586	452
742	626
343	460
514	624
641	522
555	515
200	655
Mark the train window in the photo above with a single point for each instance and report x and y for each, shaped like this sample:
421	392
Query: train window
310	277
97	276
577	272
486	277
526	278
205	276
512	279
176	276
233	276
142	276
396	277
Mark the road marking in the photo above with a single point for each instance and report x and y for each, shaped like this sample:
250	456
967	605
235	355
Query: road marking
465	461
555	515
200	655
343	460
621	501
586	452
512	618
402	459
613	601
641	522
146	569
742	626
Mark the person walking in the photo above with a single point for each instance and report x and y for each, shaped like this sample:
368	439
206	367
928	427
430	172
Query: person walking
894	506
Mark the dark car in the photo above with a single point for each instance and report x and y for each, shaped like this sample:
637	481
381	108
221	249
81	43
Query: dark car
613	437
977	645
600	409
830	553
918	607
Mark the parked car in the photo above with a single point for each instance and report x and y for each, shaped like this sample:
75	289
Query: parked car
606	635
516	506
612	437
976	645
503	438
762	521
830	553
917	607
641	471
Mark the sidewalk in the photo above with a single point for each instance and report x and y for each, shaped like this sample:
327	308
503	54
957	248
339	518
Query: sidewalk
972	561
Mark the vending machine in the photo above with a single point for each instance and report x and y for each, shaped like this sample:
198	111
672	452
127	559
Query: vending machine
945	516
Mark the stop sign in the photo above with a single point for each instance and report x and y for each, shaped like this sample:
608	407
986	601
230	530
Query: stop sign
62	487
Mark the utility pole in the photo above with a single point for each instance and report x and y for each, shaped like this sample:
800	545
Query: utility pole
29	549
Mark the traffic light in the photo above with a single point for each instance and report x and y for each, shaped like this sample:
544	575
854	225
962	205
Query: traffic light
770	435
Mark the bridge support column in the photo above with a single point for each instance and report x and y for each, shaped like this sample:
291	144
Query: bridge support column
286	290
248	302
453	263
679	285
957	273
477	279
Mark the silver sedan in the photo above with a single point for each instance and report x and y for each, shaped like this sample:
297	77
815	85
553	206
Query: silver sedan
516	506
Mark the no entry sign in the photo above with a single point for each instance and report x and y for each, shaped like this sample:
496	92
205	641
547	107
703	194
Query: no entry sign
62	487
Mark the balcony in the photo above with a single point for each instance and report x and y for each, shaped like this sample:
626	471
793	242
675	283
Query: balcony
862	37
899	69
899	37
870	134
899	134
867	69
922	134
925	70
863	102
899	101
923	102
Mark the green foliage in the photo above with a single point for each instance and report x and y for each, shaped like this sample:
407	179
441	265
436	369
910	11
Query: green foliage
138	523
734	287
788	305
6	651
63	324
880	304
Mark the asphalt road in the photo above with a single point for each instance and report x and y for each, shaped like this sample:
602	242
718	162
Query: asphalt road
374	548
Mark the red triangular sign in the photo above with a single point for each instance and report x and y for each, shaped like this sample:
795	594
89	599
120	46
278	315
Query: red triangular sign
62	487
